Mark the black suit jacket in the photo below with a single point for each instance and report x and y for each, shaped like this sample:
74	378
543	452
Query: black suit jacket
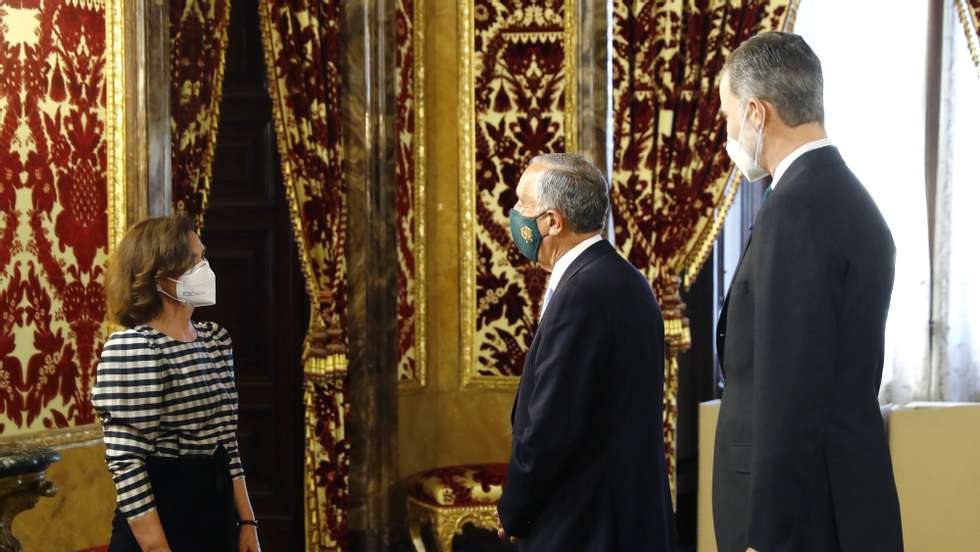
587	470
801	459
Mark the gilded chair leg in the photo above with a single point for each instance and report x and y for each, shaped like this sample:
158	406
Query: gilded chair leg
446	530
417	519
415	530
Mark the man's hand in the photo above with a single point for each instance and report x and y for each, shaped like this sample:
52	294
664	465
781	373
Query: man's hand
750	549
501	534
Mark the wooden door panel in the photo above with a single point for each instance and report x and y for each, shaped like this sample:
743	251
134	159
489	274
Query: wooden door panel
261	295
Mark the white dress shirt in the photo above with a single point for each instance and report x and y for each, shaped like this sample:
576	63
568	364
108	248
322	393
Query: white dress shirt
562	264
784	165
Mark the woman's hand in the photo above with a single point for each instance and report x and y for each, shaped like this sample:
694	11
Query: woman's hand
248	539
248	535
149	532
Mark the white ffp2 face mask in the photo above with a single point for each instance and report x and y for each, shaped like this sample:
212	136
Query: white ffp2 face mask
195	288
748	164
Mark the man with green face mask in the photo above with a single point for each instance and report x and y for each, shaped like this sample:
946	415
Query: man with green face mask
587	470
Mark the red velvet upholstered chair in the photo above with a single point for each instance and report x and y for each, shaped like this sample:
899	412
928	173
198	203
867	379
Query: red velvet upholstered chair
448	498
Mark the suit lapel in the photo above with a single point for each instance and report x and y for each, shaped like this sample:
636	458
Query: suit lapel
723	318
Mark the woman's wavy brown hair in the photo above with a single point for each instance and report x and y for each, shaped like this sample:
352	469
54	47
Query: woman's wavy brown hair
154	248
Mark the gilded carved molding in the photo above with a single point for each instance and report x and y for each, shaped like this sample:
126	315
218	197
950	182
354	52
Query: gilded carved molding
115	121
58	439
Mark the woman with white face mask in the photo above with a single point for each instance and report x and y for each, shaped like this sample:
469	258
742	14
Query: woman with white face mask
165	394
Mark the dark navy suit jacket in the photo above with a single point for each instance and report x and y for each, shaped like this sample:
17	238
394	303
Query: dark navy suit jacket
801	459
587	470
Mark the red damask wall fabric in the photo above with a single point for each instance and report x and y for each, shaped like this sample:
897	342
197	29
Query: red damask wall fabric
405	191
519	102
53	231
198	42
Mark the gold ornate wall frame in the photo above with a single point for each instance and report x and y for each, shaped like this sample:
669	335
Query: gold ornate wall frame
115	122
467	189
137	113
420	273
470	367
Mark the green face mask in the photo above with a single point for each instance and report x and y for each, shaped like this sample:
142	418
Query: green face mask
524	231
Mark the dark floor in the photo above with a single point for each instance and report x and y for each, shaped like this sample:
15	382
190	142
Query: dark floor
472	540
476	540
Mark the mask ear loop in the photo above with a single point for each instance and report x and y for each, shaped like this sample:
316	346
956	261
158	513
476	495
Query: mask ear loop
543	213
758	141
163	291
741	127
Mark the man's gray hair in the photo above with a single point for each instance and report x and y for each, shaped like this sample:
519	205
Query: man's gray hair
781	69
573	185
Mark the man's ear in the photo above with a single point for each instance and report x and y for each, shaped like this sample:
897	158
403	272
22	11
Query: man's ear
556	222
761	114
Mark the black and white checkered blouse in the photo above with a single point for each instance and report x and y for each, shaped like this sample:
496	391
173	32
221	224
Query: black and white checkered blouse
157	396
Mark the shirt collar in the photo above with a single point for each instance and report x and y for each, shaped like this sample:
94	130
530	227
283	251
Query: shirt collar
784	165
565	261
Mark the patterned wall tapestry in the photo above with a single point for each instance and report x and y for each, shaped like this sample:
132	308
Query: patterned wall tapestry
52	210
198	42
301	40
410	191
517	97
672	182
969	11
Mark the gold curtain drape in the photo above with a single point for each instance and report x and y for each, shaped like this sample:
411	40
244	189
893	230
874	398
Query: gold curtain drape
672	182
410	191
198	44
302	54
969	11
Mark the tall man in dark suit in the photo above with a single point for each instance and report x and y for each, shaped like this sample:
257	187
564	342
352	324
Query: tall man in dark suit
801	459
587	470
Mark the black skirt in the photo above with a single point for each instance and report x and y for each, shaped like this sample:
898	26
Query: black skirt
194	498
